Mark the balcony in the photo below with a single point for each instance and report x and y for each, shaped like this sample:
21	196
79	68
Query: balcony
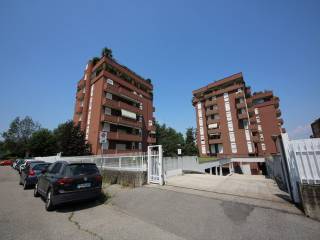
117	120
210	103
239	95
280	121
124	137
253	120
79	109
214	131
121	105
278	113
243	116
253	128
225	90
151	140
215	141
120	91
152	128
211	121
241	105
125	83
255	139
211	112
80	95
81	83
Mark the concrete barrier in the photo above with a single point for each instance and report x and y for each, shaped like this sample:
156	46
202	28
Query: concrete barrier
310	196
125	178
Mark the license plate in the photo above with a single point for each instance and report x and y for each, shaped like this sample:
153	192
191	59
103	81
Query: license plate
84	185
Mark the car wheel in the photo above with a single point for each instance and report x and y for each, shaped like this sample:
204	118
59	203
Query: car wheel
35	191
25	185
49	205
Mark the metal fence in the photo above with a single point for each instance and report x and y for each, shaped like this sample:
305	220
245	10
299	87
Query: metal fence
302	158
132	162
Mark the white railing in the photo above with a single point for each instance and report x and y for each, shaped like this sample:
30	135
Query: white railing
132	162
302	158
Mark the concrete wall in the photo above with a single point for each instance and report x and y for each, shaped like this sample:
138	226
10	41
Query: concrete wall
124	178
310	196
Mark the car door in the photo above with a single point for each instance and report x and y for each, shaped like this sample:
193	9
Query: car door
51	175
43	180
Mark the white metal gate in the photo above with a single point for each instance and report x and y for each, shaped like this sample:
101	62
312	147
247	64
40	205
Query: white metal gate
302	158
155	167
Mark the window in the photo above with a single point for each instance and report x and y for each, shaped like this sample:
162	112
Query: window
55	168
81	169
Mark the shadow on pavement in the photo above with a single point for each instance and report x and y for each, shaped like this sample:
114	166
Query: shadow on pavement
81	205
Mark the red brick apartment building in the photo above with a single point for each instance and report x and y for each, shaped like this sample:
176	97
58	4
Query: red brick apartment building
110	97
232	122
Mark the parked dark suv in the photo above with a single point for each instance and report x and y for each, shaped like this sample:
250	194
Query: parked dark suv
67	182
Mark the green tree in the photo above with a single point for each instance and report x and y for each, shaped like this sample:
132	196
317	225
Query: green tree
71	140
17	137
107	52
169	138
95	60
42	143
190	148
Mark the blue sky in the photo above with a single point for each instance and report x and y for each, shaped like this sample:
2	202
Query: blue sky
181	45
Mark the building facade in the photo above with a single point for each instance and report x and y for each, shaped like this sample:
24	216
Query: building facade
315	126
232	122
114	99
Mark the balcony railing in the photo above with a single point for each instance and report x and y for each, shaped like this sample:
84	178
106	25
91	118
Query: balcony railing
255	139
280	121
241	105
211	112
152	128
210	121
121	105
253	127
215	141
214	131
120	91
80	95
124	137
278	113
224	90
120	120
79	109
242	116
81	83
151	140
210	103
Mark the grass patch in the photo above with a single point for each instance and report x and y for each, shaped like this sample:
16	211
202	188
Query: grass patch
207	159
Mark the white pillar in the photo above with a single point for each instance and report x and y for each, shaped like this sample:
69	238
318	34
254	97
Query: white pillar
220	170
211	171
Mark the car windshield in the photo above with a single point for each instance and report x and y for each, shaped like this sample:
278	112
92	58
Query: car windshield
40	166
81	169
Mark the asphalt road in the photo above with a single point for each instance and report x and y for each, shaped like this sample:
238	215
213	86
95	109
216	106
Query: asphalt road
143	213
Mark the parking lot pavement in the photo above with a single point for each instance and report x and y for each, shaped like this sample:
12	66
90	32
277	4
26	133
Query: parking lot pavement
252	189
192	216
24	217
143	213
